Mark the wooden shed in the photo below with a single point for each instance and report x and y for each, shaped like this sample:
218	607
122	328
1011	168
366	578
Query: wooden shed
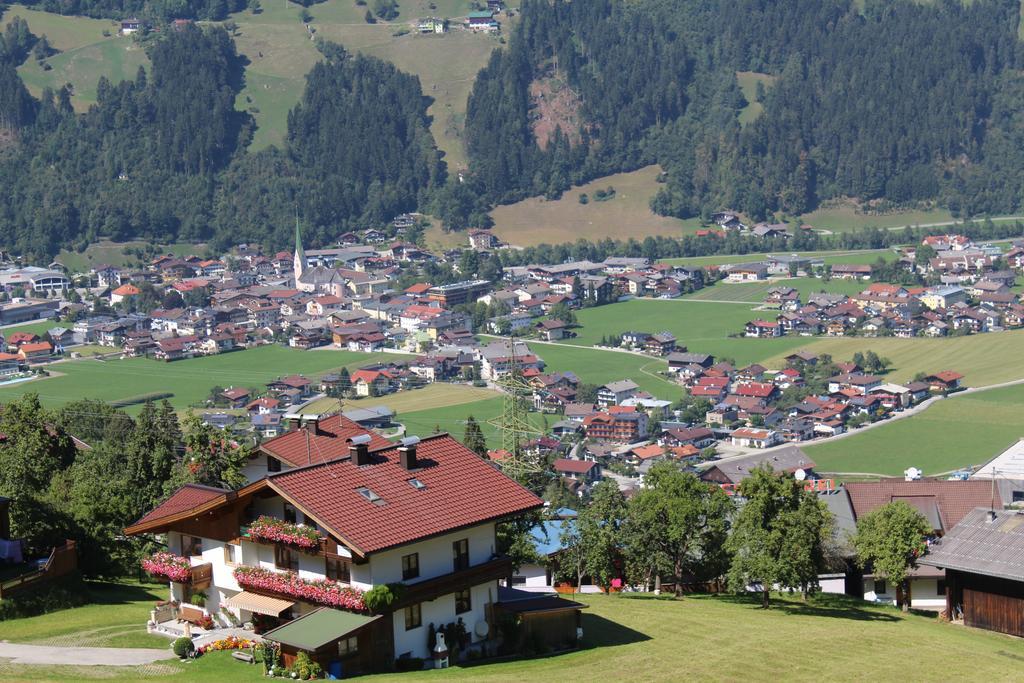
542	618
343	643
983	557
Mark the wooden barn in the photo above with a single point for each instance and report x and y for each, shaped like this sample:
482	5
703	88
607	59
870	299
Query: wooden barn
983	557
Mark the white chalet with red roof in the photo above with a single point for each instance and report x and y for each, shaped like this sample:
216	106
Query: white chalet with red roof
347	511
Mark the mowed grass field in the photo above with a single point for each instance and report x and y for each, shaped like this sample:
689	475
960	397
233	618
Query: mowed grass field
85	54
642	638
437	395
189	380
755	292
628	214
953	433
828	257
280	53
845	218
702	327
983	359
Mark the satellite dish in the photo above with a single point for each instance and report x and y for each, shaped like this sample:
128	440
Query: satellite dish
481	629
800	475
912	473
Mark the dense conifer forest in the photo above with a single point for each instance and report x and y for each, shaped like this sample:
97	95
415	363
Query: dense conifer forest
892	102
898	101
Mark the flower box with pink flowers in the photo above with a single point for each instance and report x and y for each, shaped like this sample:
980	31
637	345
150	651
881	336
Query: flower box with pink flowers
171	567
271	530
318	591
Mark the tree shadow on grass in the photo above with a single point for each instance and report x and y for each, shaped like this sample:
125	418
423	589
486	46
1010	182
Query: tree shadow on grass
109	593
821	605
601	632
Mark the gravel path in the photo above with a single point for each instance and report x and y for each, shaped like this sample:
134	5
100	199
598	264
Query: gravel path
21	653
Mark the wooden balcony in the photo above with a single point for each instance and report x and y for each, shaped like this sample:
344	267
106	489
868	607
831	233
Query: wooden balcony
62	561
202	575
497	568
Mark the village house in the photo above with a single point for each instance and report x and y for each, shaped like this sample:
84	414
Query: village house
752	437
334	521
614	393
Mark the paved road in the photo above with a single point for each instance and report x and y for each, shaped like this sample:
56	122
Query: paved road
20	653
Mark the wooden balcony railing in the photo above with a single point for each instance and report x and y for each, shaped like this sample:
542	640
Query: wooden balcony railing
62	561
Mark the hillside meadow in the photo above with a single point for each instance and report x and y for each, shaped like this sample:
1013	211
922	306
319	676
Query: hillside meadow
628	214
280	50
958	432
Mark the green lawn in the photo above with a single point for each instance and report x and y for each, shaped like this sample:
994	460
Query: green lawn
116	618
702	327
35	327
951	434
639	637
844	218
189	380
755	292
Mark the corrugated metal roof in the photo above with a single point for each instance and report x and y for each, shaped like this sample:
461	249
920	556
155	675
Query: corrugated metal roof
319	628
980	546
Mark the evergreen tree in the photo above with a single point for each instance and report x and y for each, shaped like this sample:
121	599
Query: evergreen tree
474	437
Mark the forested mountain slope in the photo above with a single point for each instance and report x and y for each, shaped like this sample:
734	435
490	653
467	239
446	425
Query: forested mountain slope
893	100
164	157
886	101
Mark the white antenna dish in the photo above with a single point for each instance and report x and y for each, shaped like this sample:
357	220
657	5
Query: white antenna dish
912	474
800	475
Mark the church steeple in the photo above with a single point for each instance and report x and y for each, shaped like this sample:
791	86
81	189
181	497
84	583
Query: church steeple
299	263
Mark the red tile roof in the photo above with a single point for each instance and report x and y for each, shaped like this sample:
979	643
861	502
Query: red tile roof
954	499
184	499
329	441
460	490
573	466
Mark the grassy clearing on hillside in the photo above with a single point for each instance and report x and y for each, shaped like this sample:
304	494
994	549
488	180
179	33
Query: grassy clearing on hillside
845	218
114	254
281	53
628	214
701	327
640	637
951	434
748	81
86	54
189	380
983	359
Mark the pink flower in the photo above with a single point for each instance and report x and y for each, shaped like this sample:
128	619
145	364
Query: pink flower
319	591
171	567
278	531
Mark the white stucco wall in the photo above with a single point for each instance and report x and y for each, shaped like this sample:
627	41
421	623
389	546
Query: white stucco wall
438	612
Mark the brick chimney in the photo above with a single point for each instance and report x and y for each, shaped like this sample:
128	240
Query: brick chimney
359	450
407	452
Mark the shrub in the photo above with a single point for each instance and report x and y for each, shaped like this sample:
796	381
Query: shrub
379	598
183	647
61	594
